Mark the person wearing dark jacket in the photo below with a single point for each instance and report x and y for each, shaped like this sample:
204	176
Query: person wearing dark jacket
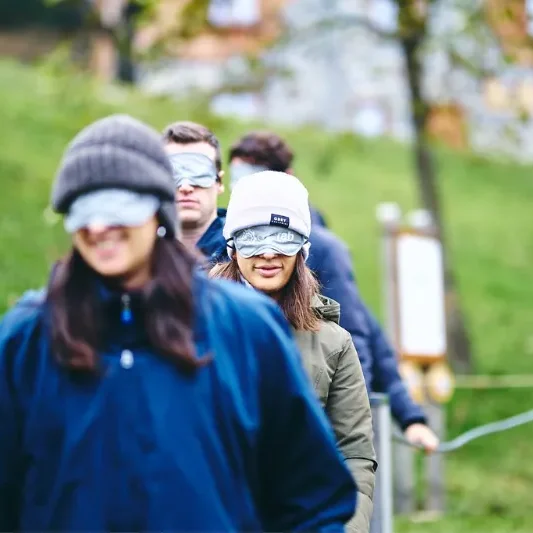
194	153
331	262
318	219
136	394
330	259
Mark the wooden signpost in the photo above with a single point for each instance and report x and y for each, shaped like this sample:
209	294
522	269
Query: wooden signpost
416	323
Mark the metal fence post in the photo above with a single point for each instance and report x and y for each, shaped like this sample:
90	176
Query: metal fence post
381	419
389	215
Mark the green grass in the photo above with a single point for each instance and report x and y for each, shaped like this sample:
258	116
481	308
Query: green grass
493	524
489	222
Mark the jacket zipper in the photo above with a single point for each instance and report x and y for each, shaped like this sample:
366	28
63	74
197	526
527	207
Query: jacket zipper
126	357
126	315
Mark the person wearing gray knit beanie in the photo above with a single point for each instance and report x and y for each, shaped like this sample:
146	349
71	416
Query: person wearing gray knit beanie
114	186
136	394
117	152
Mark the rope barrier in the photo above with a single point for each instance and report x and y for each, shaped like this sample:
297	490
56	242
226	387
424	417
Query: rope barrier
472	434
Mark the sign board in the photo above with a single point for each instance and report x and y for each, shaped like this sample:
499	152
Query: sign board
421	320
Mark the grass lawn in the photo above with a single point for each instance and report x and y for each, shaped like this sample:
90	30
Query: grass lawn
489	216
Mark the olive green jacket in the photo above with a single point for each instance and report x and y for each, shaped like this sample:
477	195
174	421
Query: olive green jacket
331	360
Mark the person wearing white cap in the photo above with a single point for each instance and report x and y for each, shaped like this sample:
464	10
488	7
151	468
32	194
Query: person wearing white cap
331	262
267	230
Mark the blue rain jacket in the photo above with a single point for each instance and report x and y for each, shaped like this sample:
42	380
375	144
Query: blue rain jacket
243	445
212	243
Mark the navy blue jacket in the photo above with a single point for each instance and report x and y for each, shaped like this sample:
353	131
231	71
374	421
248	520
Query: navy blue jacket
243	445
317	218
330	260
212	243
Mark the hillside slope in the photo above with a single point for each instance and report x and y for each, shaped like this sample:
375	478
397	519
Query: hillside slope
487	207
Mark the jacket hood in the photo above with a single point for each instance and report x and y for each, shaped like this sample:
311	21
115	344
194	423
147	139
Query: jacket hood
327	308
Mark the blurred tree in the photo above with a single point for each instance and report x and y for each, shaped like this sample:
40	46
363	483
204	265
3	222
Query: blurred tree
490	24
112	24
413	35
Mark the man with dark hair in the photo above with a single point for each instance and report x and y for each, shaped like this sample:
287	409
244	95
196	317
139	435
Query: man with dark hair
267	151
194	152
330	260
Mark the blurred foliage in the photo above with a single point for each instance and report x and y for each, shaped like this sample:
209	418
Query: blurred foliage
193	18
488	207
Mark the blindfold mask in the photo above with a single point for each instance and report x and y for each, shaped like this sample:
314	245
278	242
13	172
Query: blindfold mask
193	169
239	170
111	207
259	240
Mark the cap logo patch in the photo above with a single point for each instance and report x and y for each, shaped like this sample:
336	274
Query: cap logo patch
279	220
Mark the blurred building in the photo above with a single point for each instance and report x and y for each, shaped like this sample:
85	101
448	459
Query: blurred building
100	32
340	77
29	28
348	78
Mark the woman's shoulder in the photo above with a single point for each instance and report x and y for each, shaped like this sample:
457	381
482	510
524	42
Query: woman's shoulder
333	337
27	311
330	332
20	337
327	343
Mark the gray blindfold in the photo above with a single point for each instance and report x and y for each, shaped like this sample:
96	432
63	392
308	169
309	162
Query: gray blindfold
111	207
259	240
197	170
241	169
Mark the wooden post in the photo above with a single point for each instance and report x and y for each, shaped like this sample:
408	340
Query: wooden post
437	376
414	297
434	464
404	479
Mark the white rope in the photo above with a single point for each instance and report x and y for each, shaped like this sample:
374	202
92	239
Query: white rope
475	433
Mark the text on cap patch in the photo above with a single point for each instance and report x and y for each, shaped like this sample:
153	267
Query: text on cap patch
279	220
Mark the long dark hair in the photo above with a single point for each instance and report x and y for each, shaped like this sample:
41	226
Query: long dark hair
296	297
77	319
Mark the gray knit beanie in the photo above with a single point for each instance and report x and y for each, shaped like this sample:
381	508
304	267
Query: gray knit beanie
118	152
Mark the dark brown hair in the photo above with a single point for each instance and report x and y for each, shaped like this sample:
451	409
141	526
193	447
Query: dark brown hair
78	319
186	132
263	148
296	297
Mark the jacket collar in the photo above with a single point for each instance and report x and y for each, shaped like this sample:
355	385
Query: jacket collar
114	302
212	243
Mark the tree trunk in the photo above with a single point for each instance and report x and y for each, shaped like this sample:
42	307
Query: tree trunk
125	32
459	345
